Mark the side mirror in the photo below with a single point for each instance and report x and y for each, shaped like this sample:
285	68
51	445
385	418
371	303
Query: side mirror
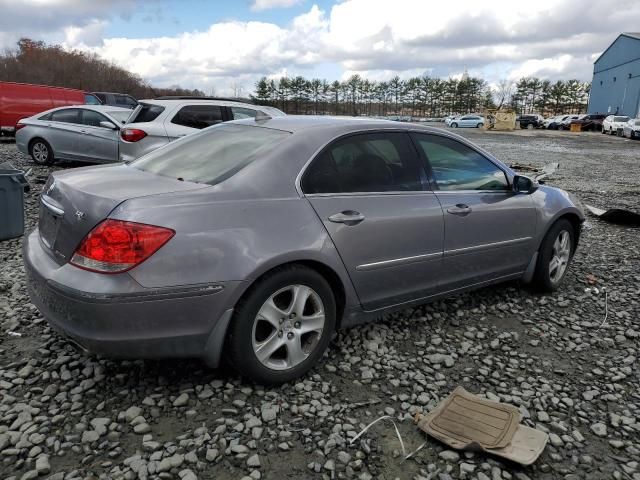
108	125
522	184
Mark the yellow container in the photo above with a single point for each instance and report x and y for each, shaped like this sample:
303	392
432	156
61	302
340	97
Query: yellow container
575	127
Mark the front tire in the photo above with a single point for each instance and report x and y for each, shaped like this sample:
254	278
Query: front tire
554	256
41	152
530	126
480	125
454	125
282	326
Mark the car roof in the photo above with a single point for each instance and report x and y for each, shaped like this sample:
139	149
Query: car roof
176	101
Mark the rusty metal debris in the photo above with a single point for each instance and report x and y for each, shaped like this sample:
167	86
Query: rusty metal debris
618	216
467	422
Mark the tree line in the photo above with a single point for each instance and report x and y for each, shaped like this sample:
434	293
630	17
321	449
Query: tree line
423	96
36	62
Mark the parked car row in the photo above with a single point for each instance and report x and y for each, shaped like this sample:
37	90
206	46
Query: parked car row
103	134
21	100
622	126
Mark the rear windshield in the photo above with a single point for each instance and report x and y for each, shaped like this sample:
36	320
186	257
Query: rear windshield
212	155
148	113
119	115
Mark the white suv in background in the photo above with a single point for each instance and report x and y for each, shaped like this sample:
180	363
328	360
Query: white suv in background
154	123
612	123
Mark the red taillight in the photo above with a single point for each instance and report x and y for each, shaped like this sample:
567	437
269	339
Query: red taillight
132	134
20	125
115	246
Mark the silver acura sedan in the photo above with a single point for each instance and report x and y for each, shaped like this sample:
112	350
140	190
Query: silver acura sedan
86	133
259	238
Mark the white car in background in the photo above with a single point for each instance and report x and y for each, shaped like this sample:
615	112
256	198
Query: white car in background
450	118
631	129
154	123
473	121
612	123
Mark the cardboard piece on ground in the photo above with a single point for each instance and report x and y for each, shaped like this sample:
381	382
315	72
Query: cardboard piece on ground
466	421
526	446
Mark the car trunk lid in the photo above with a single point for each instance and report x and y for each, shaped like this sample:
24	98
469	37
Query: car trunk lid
74	202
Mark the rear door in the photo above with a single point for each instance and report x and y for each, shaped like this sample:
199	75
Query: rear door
371	194
190	118
63	132
489	229
97	144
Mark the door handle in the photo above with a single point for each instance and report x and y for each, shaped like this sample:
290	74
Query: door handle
460	209
348	217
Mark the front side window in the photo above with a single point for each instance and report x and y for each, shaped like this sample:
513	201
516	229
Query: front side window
211	156
68	115
458	167
375	162
239	113
93	119
198	116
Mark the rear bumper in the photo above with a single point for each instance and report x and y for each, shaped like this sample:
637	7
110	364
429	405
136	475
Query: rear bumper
135	322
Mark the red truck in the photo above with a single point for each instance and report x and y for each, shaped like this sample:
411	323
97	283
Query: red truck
22	100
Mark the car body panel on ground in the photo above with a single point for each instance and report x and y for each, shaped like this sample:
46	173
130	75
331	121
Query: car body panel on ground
375	228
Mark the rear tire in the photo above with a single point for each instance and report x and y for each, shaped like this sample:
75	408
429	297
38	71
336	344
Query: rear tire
287	349
530	126
41	152
554	256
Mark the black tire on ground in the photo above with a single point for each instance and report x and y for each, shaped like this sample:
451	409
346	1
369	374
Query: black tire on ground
480	125
454	125
239	345
41	152
530	126
542	279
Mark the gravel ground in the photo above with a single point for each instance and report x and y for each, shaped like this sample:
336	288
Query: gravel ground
67	415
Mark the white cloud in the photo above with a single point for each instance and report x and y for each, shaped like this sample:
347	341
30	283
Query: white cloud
259	5
375	38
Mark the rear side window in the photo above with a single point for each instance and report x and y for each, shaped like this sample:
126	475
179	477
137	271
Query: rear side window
147	113
125	101
68	115
198	116
376	162
458	167
239	113
102	97
211	156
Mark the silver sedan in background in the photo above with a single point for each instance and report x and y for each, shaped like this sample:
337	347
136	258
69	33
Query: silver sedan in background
86	133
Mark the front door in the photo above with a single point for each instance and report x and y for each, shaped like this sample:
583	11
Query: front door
489	229
97	144
372	195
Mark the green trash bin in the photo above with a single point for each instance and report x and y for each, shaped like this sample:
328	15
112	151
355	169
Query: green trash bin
13	184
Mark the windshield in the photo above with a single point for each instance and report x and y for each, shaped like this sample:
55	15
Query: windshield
212	155
637	123
620	119
119	115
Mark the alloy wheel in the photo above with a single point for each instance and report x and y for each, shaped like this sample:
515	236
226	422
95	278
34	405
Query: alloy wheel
560	256
40	152
288	327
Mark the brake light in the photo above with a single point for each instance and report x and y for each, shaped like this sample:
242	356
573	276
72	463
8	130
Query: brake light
132	134
20	125
115	246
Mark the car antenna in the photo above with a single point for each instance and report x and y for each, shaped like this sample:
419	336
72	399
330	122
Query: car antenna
261	116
